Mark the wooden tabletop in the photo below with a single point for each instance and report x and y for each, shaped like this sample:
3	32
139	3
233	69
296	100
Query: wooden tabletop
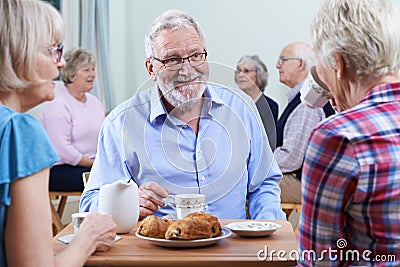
231	251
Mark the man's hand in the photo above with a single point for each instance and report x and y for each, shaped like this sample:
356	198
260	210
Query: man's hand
151	196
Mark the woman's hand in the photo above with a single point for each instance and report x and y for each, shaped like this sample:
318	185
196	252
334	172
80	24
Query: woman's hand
101	229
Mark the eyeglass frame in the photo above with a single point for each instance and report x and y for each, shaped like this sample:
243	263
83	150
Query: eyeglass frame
245	71
58	51
182	60
282	60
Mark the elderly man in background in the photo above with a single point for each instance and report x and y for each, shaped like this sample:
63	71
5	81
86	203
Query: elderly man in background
297	120
351	174
184	135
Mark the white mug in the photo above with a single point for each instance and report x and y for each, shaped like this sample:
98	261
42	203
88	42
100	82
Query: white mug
314	93
185	204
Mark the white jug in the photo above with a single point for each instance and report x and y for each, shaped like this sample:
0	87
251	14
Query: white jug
121	200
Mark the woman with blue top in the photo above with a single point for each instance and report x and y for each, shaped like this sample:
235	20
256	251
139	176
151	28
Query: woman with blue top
30	58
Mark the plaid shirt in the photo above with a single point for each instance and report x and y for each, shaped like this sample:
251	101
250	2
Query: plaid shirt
351	183
296	133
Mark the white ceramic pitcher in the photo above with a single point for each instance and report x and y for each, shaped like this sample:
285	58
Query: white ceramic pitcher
121	200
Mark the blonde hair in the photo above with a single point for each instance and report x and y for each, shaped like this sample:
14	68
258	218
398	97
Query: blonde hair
25	26
366	33
75	59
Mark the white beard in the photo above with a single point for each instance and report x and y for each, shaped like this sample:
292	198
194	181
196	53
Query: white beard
184	96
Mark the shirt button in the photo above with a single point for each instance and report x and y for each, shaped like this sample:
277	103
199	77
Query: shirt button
203	178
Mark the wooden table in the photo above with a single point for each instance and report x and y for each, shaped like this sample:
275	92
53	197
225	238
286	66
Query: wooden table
232	251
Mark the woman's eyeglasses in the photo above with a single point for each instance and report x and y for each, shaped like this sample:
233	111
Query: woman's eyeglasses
244	71
57	51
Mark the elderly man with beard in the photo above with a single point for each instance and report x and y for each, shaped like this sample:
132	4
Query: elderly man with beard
184	135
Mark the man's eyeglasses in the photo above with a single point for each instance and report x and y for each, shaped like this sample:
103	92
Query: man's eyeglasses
244	71
57	50
282	60
176	63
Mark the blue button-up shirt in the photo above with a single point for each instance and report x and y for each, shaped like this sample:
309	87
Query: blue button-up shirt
228	160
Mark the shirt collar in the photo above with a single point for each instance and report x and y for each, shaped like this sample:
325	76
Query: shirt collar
383	93
158	108
294	91
212	94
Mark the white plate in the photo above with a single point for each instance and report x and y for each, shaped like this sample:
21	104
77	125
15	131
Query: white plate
68	238
186	243
253	228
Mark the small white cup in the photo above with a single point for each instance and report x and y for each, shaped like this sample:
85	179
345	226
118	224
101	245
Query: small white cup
77	219
186	203
314	93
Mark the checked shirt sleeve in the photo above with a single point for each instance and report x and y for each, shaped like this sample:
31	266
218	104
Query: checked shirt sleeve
295	137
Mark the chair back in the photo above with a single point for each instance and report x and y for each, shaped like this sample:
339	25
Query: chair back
85	177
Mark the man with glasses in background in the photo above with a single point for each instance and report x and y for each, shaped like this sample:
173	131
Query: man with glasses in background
184	135
297	120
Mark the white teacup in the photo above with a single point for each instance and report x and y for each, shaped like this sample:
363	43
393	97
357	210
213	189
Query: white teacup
314	93
77	219
185	204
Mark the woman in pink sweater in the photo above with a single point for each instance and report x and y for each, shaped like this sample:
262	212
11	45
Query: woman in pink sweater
72	121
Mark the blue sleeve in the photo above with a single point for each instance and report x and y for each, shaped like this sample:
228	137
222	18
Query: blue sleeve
264	201
25	148
109	165
264	175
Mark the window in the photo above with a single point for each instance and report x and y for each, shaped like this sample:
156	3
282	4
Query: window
55	3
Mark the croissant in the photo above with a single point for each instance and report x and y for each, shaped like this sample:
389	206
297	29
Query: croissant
215	225
153	226
194	226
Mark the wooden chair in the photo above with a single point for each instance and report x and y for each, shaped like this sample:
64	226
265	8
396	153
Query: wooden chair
288	208
56	214
85	178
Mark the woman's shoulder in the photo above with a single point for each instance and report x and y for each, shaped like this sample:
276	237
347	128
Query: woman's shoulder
22	125
270	101
11	118
92	99
24	142
272	104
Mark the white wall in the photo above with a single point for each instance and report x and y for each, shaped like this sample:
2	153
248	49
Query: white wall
232	29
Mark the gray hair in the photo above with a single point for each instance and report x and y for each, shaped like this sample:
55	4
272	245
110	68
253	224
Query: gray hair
24	27
366	33
171	20
262	71
75	59
305	51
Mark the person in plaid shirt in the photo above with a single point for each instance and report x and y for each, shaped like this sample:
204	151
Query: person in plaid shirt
351	174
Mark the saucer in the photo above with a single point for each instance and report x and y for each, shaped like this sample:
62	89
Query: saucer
68	238
253	228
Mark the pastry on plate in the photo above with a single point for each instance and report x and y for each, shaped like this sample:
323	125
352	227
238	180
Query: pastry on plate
194	226
153	226
215	225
